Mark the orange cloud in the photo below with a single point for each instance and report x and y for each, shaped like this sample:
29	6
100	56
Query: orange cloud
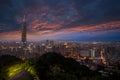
44	34
110	26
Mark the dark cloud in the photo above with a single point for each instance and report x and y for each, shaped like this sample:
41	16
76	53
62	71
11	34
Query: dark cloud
97	11
57	14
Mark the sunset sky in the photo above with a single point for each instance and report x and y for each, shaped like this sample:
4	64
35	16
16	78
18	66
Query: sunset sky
85	20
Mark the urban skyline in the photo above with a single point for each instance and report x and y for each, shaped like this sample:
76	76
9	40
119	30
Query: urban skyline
95	20
59	39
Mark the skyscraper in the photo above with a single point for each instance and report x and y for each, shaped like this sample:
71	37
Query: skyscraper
93	53
24	31
103	56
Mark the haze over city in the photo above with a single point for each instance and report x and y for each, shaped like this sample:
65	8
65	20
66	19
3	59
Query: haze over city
85	20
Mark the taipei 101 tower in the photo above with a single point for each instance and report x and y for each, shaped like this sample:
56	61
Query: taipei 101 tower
24	32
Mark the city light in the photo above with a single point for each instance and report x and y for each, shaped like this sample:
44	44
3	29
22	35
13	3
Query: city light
59	39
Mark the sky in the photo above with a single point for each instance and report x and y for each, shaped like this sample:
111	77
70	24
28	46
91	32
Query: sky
85	20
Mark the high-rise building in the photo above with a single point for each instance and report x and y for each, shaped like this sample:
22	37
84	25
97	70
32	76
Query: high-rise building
103	56
92	53
24	32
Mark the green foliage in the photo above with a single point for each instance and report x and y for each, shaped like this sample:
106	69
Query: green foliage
50	66
5	62
8	70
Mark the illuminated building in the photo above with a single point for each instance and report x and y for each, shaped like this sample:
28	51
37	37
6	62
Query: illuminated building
84	53
92	53
24	31
103	57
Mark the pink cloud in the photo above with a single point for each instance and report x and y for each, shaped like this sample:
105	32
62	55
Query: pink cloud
43	34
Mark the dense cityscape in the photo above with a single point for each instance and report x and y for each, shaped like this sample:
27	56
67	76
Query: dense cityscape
93	55
103	52
59	40
102	57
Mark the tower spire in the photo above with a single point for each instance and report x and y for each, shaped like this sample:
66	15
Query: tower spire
24	18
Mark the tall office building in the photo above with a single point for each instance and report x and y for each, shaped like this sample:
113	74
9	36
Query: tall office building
103	56
92	53
24	31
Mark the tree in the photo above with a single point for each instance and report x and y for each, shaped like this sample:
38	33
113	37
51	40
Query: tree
53	66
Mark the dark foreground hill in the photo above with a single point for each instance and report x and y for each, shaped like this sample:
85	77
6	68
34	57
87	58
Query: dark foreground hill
7	60
53	66
50	66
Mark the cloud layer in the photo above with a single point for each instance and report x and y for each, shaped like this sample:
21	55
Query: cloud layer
48	19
